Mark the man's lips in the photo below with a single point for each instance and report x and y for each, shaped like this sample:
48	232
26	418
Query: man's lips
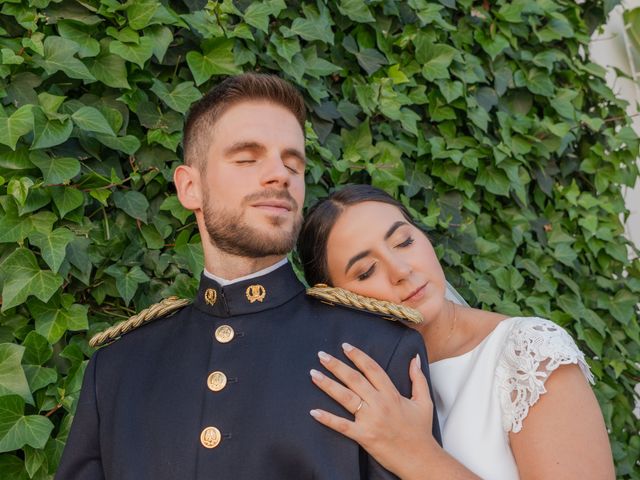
417	293
273	205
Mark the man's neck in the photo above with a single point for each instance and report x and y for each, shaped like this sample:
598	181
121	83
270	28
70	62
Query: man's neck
231	267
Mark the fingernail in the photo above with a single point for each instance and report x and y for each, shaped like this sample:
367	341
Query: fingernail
314	413
324	357
316	374
347	347
418	362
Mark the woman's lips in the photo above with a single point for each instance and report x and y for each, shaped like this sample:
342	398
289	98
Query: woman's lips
417	294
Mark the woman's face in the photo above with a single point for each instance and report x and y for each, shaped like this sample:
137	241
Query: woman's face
374	251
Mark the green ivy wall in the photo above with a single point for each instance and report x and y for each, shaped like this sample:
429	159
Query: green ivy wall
486	118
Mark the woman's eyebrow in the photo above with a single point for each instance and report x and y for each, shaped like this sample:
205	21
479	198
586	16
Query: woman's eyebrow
355	258
393	228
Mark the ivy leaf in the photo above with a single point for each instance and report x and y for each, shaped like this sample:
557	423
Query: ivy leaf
538	82
286	47
56	170
162	38
18	429
110	70
81	35
18	188
192	256
49	132
37	349
356	10
173	205
22	277
257	14
218	60
140	13
133	203
137	53
59	56
180	98
127	144
91	120
13	127
53	319
53	246
436	61
12	378
127	281
315	26
371	60
66	199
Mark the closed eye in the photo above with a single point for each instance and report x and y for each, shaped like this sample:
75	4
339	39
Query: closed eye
245	162
406	243
368	273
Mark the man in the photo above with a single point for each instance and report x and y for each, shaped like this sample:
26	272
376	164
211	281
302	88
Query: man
221	389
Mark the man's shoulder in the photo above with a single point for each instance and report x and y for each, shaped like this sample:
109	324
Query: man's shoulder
336	304
150	322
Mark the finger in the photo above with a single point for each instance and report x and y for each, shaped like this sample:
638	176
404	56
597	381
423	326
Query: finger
334	422
351	378
419	385
345	397
369	367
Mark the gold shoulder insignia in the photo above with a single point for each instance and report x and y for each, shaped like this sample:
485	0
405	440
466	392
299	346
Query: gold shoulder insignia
340	296
157	310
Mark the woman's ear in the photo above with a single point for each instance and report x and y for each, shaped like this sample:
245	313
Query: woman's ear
188	186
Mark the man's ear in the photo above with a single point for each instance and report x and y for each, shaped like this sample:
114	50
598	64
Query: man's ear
188	186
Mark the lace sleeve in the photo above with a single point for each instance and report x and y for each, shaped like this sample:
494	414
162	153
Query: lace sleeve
534	348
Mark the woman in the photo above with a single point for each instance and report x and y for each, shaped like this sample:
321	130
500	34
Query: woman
511	393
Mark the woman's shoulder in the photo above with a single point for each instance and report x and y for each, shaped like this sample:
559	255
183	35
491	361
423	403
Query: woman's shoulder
532	350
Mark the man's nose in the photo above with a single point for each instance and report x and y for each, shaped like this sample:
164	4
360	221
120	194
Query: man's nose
275	172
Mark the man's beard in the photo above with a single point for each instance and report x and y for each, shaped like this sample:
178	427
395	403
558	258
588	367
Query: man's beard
230	233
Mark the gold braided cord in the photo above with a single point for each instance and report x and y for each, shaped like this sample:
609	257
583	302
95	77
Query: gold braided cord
341	296
156	310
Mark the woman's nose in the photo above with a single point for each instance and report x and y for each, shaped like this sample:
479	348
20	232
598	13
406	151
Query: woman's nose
399	271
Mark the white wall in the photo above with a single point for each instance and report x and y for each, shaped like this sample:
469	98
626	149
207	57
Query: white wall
609	48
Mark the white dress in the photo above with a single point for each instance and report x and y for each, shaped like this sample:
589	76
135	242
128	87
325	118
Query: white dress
485	393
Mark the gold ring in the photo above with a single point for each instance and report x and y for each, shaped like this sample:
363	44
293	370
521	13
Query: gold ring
359	406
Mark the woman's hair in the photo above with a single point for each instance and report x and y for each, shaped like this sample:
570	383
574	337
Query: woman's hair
320	219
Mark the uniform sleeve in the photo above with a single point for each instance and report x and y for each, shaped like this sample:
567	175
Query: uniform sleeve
410	344
532	351
81	459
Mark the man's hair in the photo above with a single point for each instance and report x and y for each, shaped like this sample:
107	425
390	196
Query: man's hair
247	86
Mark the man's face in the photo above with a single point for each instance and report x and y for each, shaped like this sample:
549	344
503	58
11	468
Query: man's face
253	180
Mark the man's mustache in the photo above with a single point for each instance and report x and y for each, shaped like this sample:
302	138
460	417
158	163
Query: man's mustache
272	194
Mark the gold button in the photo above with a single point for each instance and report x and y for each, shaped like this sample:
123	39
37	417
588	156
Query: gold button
216	381
224	334
210	437
210	296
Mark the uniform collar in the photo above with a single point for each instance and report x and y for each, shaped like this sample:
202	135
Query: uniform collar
251	295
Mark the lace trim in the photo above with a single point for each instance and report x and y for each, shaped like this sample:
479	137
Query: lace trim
534	348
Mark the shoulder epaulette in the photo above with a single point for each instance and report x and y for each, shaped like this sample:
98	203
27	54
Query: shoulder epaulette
340	296
157	310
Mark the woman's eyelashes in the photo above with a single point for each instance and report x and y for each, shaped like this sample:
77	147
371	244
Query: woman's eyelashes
368	273
406	243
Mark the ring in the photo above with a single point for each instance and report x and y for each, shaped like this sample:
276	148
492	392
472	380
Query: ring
359	406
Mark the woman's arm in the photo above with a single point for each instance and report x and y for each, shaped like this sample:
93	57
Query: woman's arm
393	429
564	435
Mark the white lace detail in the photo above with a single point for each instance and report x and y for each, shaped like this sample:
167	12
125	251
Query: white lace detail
533	349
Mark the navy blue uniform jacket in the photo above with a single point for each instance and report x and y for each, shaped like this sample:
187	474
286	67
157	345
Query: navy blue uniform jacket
146	398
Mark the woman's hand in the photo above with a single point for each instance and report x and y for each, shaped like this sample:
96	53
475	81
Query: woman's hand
393	429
